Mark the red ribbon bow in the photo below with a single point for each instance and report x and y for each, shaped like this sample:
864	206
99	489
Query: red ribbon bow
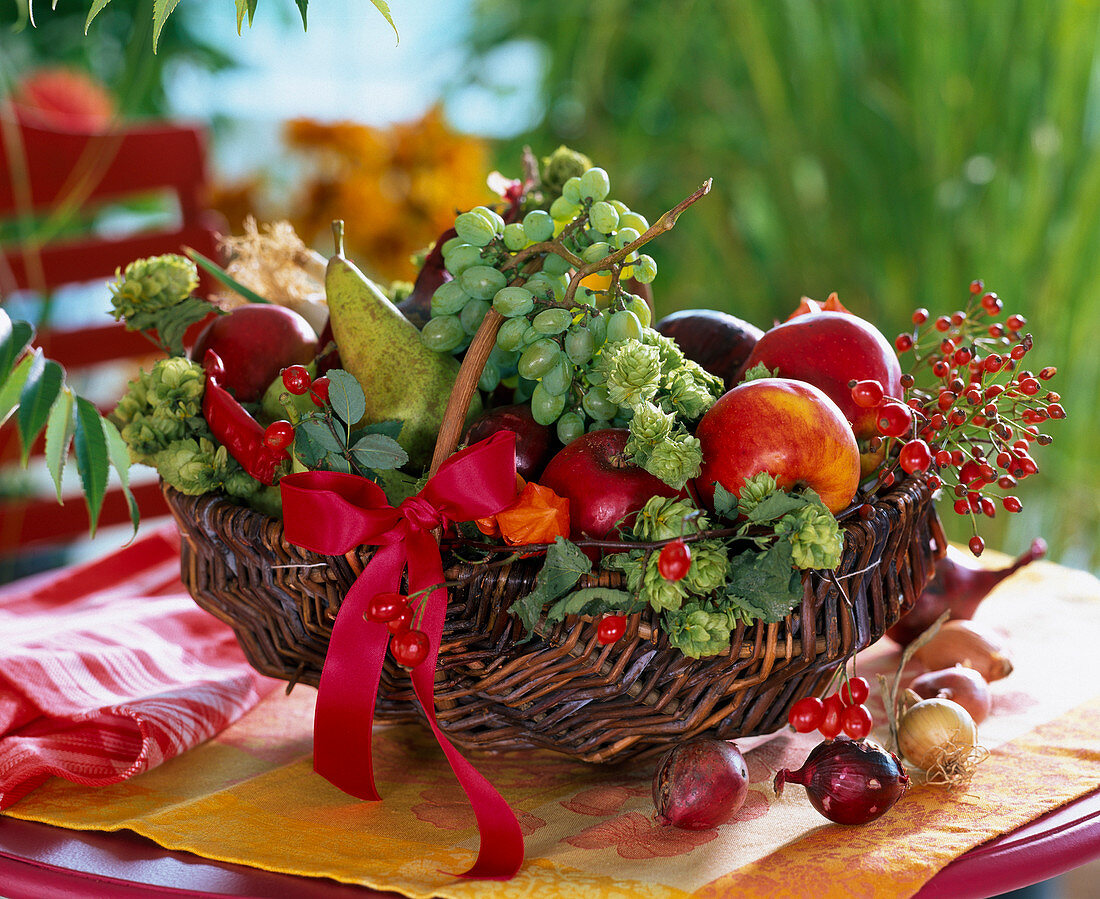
332	513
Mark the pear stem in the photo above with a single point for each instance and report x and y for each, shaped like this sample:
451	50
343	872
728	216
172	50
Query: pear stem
338	236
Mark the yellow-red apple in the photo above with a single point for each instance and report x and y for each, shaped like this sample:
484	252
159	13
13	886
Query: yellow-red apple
787	428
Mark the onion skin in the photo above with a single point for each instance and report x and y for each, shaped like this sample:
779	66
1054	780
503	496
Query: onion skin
959	684
849	781
969	644
958	585
699	785
936	732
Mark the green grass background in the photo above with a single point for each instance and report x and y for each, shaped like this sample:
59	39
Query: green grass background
889	151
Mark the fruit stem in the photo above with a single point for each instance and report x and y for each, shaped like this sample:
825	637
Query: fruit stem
338	235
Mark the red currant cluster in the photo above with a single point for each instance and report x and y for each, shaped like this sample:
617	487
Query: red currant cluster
843	710
974	427
409	645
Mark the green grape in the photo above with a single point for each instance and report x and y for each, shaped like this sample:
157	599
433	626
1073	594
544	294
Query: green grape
603	217
580	345
645	269
619	206
490	376
634	220
597	327
510	335
571	190
450	244
624	236
560	378
552	321
530	335
482	282
594	236
515	238
596	252
539	358
570	427
598	425
513	301
523	390
462	257
475	229
624	325
597	405
620	421
556	265
443	334
449	298
472	316
538	225
595	378
546	407
549	287
561	210
641	309
491	216
505	360
595	184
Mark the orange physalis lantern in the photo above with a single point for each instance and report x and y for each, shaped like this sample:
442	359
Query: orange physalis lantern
832	304
539	515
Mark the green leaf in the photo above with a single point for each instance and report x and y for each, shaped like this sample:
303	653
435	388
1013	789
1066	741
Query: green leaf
41	388
725	503
760	370
13	385
162	9
245	7
775	506
565	565
388	428
379	452
346	396
91	458
594	601
119	454
172	323
764	584
383	8
302	4
220	274
97	8
59	436
14	338
336	462
317	432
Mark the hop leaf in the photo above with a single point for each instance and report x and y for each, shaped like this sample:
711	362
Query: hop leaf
152	285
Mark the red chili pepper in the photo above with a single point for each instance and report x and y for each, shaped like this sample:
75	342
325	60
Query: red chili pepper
234	428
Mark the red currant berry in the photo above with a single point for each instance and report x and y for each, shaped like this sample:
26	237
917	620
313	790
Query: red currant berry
947	346
1018	352
296	379
943	458
1012	503
993	363
410	647
977	286
977	545
807	714
934	483
988	509
894	419
992	304
830	724
1006	482
915	456
401	623
920	316
962	356
1015	322
903	343
1047	373
937	421
888	479
1029	386
279	435
941	369
855	691
611	628
385	606
946	399
958	317
997	330
867	394
866	511
943	323
961	507
856	721
1056	410
674	561
318	390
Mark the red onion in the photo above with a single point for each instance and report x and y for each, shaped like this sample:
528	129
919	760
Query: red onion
850	782
700	784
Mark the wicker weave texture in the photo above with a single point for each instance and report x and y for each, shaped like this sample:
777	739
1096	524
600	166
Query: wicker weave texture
560	689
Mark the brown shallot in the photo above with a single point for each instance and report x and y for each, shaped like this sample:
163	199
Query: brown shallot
965	643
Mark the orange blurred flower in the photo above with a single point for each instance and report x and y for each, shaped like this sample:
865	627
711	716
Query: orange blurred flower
63	98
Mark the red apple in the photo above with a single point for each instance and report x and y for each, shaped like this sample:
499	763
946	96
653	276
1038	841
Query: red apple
828	350
603	487
718	341
787	428
256	342
534	442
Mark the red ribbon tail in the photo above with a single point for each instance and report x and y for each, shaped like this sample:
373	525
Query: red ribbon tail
501	853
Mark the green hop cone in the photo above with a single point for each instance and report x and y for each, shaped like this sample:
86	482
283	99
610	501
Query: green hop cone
816	541
134	402
757	489
688	394
176	387
709	566
676	460
193	466
650	585
241	484
633	372
560	166
650	424
150	285
672	357
148	435
699	630
662	518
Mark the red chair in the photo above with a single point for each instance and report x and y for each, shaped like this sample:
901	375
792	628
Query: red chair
42	170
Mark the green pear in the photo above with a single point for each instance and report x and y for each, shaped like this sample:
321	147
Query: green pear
403	380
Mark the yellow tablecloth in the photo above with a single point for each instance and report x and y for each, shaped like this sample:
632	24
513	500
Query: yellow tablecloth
249	796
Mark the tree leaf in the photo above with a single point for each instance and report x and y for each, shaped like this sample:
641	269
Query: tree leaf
383	7
91	458
162	9
379	452
336	462
345	395
14	338
594	601
725	503
13	385
764	584
565	565
389	428
775	506
220	274
245	7
302	4
97	8
172	323
119	454
37	397
59	436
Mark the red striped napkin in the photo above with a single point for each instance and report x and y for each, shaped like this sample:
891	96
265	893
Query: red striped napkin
109	669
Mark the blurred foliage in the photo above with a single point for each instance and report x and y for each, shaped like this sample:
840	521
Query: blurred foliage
891	152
